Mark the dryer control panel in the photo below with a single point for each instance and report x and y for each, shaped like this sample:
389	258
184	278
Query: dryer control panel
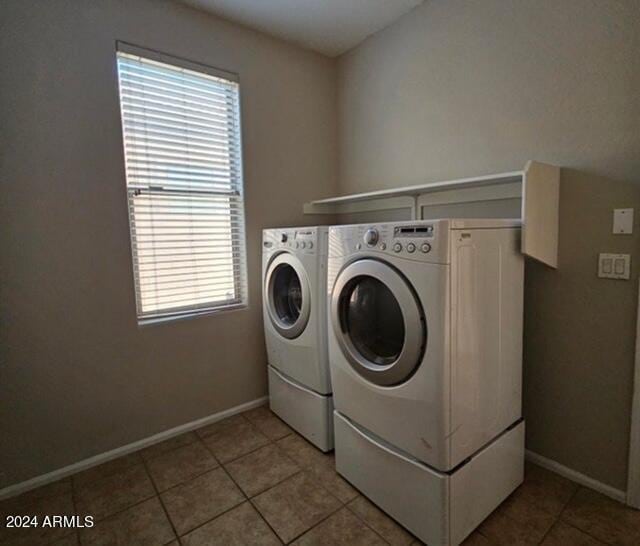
418	240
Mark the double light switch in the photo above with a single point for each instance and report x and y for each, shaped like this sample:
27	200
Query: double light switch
614	266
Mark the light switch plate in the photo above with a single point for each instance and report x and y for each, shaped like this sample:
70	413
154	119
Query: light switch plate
623	221
614	266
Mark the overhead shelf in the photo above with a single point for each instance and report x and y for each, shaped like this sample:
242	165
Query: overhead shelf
532	195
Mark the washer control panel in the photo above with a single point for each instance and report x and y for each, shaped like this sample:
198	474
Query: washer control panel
302	240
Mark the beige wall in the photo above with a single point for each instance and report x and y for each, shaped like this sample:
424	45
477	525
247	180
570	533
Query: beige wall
580	336
455	88
77	375
462	88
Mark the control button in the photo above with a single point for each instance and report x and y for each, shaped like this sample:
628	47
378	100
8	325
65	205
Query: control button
383	246
310	245
397	247
297	244
303	244
284	238
358	246
371	237
426	247
411	247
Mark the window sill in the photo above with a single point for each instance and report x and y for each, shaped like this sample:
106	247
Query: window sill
188	315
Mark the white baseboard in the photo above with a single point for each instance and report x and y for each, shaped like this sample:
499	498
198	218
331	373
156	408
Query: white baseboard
49	477
576	476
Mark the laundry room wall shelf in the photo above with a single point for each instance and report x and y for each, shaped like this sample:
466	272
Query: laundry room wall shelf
533	195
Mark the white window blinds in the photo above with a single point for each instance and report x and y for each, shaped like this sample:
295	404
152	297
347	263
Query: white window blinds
181	131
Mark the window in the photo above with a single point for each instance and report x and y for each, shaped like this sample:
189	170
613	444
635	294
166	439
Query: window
181	132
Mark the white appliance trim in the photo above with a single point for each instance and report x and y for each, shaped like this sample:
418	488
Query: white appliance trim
633	483
65	471
574	475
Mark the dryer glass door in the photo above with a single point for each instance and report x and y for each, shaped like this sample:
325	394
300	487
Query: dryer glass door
373	318
378	322
288	296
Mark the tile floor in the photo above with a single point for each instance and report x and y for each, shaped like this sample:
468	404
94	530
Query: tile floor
251	480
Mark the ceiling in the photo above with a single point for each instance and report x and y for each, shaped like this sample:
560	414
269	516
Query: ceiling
330	27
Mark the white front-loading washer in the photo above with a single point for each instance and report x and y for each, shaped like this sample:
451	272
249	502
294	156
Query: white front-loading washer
294	273
425	347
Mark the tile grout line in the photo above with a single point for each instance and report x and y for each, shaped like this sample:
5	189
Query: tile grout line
557	518
319	522
588	533
220	466
599	541
306	469
75	508
331	513
170	450
346	504
112	473
518	523
142	461
248	499
164	508
573	495
318	484
226	511
370	527
117	512
543	538
269	441
265	520
190	478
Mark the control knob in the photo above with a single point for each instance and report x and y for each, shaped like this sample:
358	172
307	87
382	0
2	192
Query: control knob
371	237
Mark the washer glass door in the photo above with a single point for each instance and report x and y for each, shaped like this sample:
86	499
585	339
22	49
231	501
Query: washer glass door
378	322
288	296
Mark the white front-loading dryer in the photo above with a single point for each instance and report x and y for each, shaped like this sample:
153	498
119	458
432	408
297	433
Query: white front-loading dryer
294	273
425	348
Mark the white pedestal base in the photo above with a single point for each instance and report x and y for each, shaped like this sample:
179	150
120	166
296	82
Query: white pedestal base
438	508
304	410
